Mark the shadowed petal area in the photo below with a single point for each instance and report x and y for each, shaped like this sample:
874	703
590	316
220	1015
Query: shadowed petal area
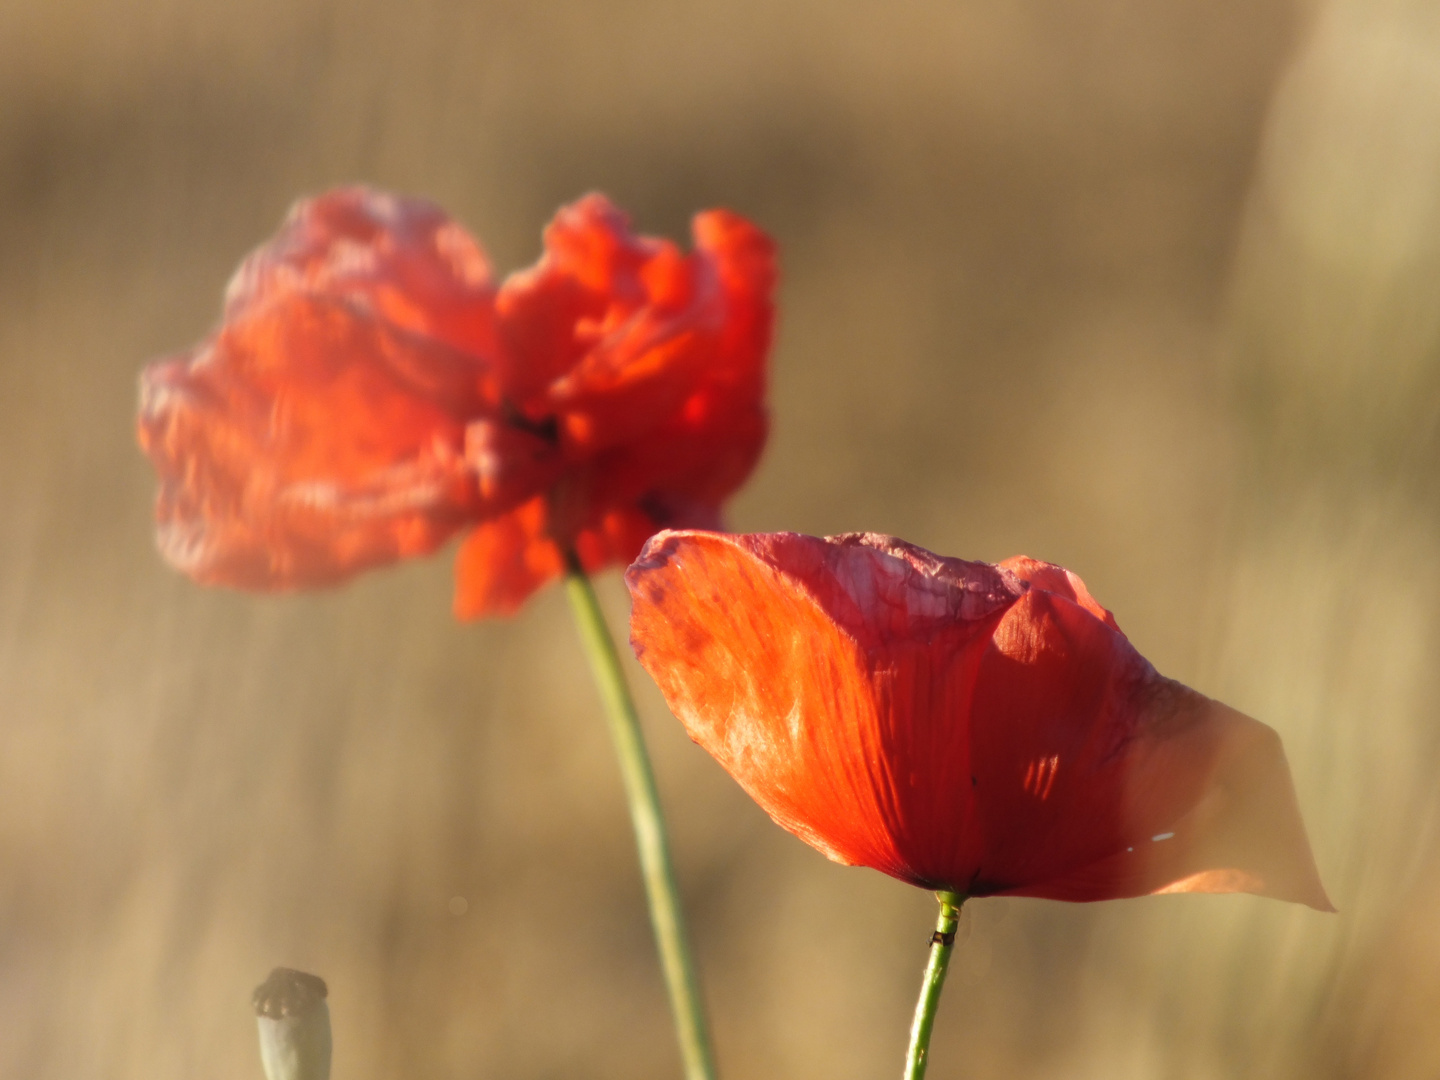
551	315
1101	778
708	419
980	728
304	443
649	362
506	558
1241	833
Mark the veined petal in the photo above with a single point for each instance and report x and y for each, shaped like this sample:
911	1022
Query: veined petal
767	683
761	648
980	728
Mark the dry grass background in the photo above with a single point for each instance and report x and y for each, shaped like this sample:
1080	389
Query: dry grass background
1150	289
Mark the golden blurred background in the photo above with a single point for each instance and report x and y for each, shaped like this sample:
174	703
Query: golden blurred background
1148	289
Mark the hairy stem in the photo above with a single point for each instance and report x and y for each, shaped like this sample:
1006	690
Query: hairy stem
942	944
666	916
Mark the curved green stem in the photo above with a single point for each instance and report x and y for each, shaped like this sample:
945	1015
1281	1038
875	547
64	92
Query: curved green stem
660	889
941	946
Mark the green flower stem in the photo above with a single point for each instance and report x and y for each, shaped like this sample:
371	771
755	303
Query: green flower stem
660	888
941	946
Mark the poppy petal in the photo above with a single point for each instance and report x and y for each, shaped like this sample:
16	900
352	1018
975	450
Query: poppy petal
400	259
1243	833
764	651
551	315
632	332
767	683
505	559
303	443
710	441
658	404
616	538
958	725
1057	580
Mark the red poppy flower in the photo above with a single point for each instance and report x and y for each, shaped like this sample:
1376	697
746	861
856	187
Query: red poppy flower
370	393
961	726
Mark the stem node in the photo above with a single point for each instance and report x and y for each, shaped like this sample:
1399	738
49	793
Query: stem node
942	944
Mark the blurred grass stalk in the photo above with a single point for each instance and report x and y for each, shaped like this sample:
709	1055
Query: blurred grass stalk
1327	618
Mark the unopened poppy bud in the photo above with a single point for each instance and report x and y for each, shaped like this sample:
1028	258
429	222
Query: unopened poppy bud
294	1021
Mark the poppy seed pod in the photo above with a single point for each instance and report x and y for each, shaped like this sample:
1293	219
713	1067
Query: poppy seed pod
371	392
974	728
294	1021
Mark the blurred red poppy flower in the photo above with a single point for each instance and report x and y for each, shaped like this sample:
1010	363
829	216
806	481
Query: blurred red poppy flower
370	392
961	726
